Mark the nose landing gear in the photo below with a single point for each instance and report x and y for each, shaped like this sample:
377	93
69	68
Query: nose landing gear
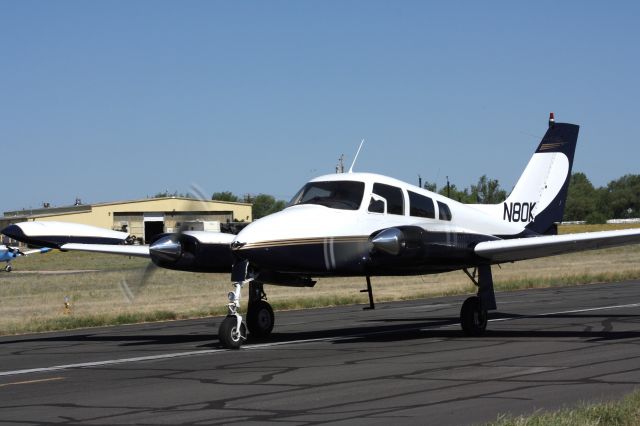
260	318
233	332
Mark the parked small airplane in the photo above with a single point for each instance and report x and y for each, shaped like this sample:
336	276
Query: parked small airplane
362	224
7	254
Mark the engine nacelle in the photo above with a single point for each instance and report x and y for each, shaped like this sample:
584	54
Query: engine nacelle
400	241
412	249
195	251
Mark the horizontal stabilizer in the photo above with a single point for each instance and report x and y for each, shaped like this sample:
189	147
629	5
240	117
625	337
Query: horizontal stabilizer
529	248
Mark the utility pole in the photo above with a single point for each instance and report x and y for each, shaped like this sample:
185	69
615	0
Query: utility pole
340	166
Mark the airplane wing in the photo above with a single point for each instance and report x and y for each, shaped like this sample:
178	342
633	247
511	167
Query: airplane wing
128	250
40	250
529	248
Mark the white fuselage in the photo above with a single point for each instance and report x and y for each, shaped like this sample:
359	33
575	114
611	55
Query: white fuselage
318	237
308	221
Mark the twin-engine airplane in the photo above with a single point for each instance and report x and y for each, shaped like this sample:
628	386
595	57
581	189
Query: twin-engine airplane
7	254
362	224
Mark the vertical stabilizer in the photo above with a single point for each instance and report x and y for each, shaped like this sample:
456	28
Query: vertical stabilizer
538	199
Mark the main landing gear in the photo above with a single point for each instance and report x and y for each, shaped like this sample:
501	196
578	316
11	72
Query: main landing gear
473	314
8	268
260	318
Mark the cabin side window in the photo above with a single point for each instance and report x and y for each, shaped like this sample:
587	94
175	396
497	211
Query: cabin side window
421	206
393	197
344	195
443	211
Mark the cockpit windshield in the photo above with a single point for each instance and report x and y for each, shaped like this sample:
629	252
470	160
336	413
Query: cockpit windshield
344	194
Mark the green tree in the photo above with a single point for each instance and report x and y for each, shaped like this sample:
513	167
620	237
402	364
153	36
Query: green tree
430	186
225	196
582	199
623	197
488	191
456	194
264	205
167	194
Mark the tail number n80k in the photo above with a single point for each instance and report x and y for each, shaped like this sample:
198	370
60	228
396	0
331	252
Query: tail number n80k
518	212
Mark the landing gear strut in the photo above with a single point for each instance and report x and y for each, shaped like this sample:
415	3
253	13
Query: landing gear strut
473	315
260	317
233	331
369	290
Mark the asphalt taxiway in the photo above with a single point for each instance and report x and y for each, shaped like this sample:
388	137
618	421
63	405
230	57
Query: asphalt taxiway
405	362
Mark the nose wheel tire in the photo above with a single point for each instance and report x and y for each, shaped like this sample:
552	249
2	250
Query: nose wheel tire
473	318
260	318
229	335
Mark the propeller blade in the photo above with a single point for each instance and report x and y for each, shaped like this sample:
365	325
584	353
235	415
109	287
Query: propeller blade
147	274
131	291
167	248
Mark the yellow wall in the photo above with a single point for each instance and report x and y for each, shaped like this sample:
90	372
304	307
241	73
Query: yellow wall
102	214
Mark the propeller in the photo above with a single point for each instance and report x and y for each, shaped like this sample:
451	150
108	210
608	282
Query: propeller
167	248
131	291
15	251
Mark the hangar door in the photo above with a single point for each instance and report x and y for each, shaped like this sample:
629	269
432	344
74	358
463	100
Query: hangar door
153	225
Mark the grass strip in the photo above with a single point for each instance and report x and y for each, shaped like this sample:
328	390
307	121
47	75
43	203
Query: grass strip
71	321
625	412
75	321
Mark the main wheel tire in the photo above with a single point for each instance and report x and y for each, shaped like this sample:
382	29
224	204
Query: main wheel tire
8	268
473	318
260	319
228	333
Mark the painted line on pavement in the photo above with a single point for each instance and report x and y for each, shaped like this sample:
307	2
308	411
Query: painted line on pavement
29	382
275	344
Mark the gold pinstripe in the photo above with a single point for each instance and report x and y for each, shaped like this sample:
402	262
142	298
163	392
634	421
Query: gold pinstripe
546	146
305	241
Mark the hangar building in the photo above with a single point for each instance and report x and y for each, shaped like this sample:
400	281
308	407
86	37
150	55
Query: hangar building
141	218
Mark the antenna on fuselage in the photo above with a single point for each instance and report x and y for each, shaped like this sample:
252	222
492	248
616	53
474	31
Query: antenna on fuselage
356	157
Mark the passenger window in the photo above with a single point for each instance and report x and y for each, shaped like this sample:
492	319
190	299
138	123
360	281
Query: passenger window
421	206
393	195
444	212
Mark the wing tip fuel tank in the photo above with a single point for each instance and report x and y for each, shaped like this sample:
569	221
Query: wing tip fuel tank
56	234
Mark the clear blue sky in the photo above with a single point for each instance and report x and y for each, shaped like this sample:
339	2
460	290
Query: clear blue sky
116	100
